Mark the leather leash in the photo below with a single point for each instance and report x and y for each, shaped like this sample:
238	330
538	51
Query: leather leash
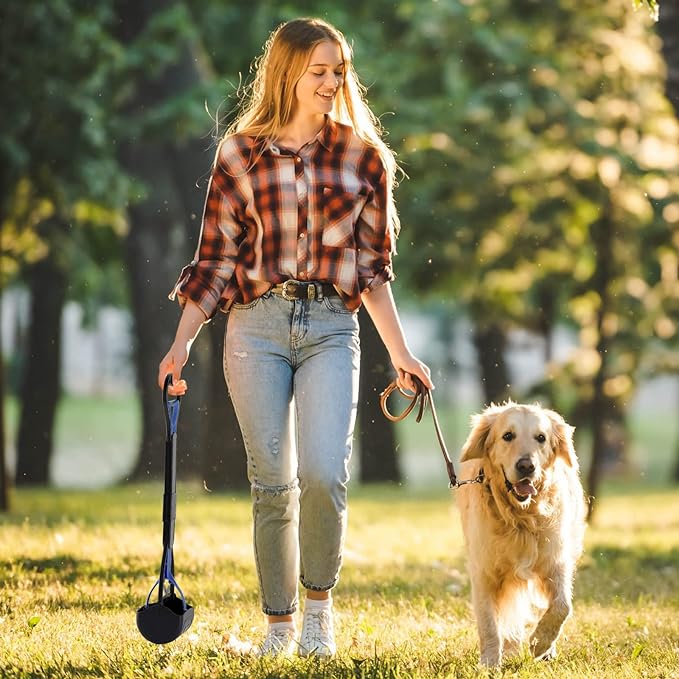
422	396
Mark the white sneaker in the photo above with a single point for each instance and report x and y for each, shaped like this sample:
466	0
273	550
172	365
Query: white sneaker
318	635
279	641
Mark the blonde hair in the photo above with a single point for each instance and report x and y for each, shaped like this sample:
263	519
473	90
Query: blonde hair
268	103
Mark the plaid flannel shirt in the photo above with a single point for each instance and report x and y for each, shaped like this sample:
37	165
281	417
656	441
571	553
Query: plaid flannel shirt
320	214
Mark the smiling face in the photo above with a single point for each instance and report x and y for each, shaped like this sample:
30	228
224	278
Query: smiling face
321	82
521	442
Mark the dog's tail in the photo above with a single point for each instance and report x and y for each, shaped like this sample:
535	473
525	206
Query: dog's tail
521	605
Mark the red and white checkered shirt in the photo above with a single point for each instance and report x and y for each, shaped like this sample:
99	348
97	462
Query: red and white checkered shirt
320	214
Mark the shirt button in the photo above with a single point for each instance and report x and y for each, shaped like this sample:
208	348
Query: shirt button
298	159
302	275
302	235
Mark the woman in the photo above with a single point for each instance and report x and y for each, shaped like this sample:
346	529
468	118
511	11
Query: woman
298	230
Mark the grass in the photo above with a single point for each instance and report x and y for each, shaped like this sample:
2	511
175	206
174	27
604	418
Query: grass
75	565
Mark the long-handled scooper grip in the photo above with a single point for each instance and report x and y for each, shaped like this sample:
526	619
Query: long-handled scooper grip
171	616
170	495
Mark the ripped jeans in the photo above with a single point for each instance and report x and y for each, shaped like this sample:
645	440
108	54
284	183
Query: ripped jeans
292	371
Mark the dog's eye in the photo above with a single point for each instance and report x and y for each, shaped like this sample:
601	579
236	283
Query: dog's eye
508	436
540	438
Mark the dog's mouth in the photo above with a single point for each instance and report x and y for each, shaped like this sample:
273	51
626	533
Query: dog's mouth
524	489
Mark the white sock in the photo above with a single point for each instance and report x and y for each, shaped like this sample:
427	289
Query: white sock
285	624
318	604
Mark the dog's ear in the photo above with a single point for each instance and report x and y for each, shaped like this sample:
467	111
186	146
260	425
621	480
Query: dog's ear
562	439
475	445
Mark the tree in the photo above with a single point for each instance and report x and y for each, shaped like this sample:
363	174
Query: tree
667	21
50	186
164	147
4	481
557	145
40	384
377	442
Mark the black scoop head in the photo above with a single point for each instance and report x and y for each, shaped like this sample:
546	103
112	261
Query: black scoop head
163	622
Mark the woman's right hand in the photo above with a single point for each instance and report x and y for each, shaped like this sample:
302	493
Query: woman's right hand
173	362
190	323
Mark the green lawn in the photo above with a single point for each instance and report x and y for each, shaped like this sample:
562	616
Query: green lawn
74	566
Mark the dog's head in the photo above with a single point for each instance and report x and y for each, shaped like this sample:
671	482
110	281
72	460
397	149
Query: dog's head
520	442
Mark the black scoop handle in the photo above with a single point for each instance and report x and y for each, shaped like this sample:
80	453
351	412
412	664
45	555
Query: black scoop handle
171	404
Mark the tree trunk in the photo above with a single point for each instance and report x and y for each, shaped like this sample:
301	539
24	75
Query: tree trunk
545	322
602	237
668	21
39	392
224	462
163	234
376	434
598	424
676	467
490	341
4	481
151	266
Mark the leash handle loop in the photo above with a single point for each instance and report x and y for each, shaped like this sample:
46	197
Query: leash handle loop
408	409
422	396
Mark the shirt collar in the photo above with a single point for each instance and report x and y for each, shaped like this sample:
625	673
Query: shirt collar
327	137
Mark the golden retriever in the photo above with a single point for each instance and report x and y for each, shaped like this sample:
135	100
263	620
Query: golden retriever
523	527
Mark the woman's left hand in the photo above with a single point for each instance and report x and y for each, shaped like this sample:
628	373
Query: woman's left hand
408	366
379	304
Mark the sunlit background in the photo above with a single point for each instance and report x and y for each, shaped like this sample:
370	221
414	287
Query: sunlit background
537	258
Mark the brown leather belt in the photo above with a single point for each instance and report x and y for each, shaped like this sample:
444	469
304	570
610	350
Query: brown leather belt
292	290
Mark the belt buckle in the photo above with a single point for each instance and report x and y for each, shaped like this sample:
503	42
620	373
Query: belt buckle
284	290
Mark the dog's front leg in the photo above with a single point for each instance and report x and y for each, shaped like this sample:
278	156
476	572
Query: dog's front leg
559	588
485	610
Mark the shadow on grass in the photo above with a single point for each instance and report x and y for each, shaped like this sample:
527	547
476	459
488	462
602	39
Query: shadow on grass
69	570
66	582
410	580
628	574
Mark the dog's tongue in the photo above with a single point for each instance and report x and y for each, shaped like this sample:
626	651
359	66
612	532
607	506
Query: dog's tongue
525	488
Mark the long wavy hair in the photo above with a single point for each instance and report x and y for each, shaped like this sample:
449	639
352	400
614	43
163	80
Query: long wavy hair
268	102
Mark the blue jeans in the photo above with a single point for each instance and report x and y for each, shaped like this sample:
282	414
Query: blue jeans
292	371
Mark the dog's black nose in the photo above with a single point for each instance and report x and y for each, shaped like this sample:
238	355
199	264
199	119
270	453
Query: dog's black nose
524	466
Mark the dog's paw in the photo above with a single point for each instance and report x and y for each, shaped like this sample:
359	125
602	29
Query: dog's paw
542	649
490	658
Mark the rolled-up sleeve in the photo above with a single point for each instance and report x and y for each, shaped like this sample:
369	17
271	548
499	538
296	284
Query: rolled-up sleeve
374	232
203	280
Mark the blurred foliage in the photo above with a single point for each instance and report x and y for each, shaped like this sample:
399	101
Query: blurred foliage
651	5
66	83
523	127
58	63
